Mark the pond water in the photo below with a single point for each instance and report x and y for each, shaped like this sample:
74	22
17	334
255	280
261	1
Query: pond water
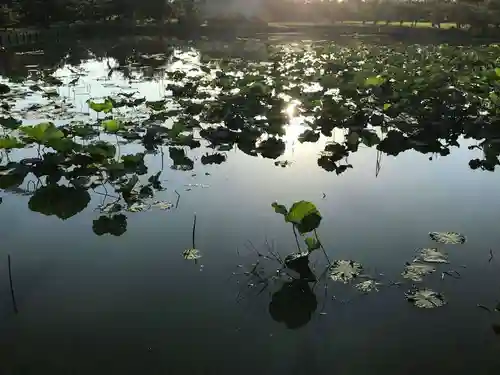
99	281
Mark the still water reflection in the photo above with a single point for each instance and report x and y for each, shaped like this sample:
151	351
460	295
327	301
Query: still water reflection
131	304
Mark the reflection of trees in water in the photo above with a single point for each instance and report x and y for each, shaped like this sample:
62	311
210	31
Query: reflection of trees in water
142	54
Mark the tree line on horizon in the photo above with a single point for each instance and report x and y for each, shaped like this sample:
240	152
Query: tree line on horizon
477	14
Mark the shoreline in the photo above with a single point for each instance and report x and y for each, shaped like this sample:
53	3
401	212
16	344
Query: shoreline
29	35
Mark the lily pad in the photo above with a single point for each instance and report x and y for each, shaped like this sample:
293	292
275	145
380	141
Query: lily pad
4	89
162	205
191	254
10	123
294	304
61	201
12	175
425	298
156	106
101	150
432	255
308	136
416	271
216	158
368	286
115	225
138	207
374	81
345	270
272	148
449	238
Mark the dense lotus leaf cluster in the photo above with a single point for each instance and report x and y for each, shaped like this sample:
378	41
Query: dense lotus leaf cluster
393	98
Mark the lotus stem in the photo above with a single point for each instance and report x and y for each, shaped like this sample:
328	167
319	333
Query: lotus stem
14	304
194	230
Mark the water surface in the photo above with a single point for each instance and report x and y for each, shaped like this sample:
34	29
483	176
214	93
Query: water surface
131	304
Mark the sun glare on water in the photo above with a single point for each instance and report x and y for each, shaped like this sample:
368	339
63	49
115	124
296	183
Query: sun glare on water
294	127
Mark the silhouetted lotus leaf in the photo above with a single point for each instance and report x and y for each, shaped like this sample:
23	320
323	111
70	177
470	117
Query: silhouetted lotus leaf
115	225
12	175
61	201
271	148
10	123
180	160
4	89
215	158
293	304
299	262
309	136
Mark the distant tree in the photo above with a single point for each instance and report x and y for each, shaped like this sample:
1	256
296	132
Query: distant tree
4	16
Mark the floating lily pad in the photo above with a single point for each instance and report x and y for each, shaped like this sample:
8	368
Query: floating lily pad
191	254
61	201
12	175
10	123
272	148
293	304
216	158
4	89
374	81
432	255
162	205
425	298
416	271
308	136
449	238
101	150
345	270
368	286
115	225
138	207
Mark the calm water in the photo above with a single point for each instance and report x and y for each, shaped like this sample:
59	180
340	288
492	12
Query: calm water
132	305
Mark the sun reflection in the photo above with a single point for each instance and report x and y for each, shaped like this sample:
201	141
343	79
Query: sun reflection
295	125
290	110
